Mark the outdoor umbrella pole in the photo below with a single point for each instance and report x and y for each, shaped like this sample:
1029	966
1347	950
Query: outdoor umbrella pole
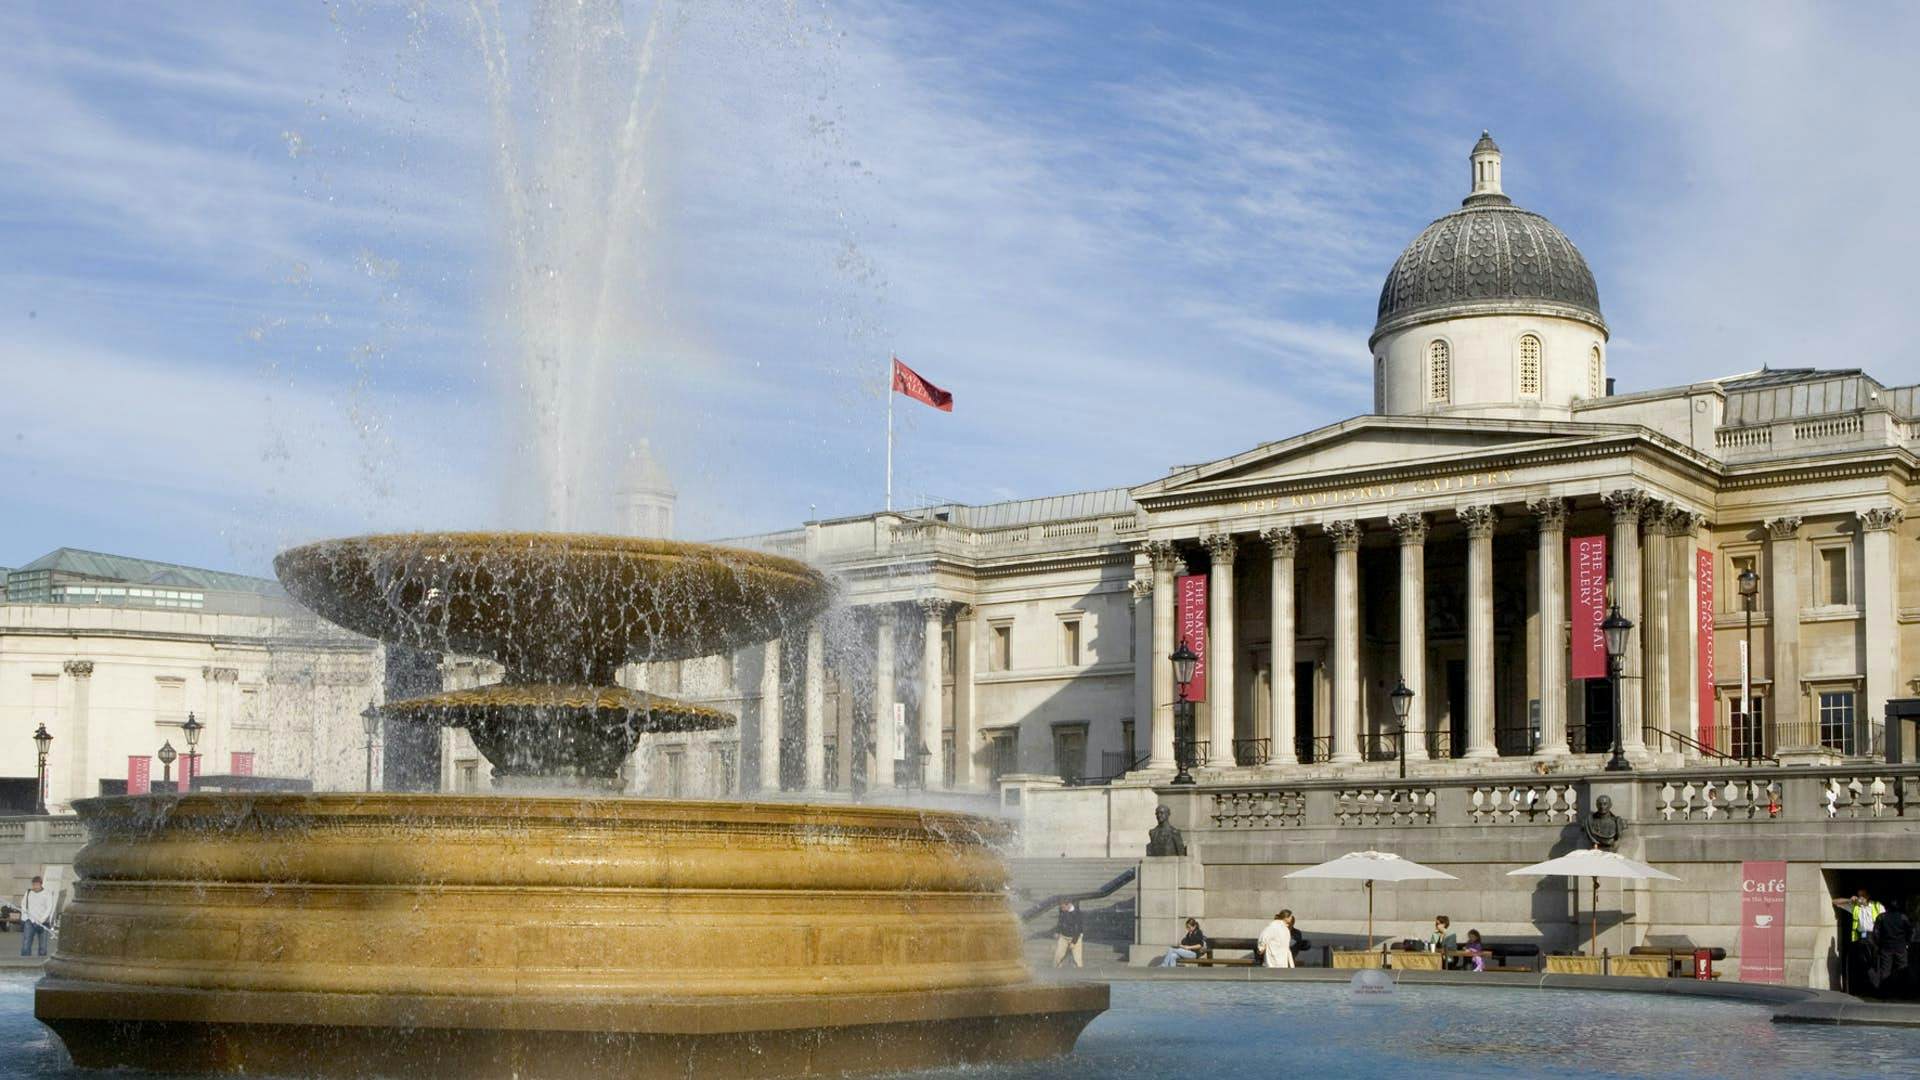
1369	916
1593	911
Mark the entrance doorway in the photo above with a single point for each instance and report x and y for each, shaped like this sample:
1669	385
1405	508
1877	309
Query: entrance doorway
1456	708
1898	890
1595	736
1303	741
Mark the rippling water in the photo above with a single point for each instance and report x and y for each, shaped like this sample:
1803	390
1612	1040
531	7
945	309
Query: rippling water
1229	1031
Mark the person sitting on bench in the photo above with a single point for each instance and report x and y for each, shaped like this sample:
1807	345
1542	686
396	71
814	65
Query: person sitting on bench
1191	947
1478	949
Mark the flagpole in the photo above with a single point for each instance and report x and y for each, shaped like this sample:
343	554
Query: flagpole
890	363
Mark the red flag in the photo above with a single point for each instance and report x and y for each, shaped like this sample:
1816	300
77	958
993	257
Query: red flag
908	381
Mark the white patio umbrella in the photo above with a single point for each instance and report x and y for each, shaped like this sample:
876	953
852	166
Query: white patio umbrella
1369	867
1596	864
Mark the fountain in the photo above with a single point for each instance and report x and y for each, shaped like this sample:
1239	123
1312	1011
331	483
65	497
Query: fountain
554	929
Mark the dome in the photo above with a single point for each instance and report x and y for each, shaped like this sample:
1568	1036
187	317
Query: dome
1488	257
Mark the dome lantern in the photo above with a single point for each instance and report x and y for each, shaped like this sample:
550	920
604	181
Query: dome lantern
1486	173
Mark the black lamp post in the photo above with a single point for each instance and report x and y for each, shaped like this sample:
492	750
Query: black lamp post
1185	660
370	723
1402	699
1749	593
42	742
166	754
192	730
1616	627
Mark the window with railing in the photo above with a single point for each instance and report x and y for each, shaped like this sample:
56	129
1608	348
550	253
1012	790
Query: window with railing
1746	731
1836	721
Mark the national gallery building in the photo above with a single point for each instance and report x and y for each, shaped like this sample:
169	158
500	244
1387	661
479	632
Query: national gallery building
1461	540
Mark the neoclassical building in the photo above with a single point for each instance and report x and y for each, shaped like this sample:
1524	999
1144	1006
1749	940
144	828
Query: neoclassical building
1427	542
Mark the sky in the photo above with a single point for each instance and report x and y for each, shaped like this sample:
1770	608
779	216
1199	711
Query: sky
276	272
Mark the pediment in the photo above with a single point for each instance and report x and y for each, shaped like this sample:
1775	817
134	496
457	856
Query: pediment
1370	443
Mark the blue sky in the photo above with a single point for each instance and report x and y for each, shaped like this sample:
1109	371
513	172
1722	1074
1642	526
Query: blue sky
250	254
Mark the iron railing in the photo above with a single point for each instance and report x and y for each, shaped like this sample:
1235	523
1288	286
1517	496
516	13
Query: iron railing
1252	751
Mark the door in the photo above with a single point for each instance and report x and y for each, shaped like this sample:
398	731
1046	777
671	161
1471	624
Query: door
1456	708
1070	751
1303	740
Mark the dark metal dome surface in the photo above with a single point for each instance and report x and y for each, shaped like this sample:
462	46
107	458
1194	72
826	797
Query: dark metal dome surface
1488	257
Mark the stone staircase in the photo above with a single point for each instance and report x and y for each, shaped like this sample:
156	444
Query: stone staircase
1110	919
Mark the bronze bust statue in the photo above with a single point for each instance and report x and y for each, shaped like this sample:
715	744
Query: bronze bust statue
1604	827
1163	838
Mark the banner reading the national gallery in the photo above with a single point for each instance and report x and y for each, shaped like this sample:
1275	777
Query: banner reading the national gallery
1587	564
139	774
1192	627
1763	921
1703	627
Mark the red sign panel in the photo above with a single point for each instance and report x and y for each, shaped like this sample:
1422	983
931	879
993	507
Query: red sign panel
189	768
1192	628
1763	921
1587	564
1703	626
139	775
242	763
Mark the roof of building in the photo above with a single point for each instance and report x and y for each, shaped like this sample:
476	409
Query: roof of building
1080	504
1761	397
125	568
1488	257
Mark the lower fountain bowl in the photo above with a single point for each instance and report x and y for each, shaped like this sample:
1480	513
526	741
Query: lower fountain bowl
439	935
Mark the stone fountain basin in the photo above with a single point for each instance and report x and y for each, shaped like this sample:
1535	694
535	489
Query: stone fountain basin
473	936
552	607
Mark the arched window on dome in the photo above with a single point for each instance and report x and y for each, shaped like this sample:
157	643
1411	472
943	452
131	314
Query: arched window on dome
1529	366
1596	375
1439	371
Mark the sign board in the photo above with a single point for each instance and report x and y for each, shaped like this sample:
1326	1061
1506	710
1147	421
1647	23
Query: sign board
1763	921
1191	624
139	774
242	763
1703	627
1587	564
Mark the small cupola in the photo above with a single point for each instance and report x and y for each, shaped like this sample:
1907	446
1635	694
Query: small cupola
1486	174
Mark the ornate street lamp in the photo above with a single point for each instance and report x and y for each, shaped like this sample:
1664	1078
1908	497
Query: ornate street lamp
191	729
1616	627
1185	662
370	722
166	755
1749	593
42	742
1402	699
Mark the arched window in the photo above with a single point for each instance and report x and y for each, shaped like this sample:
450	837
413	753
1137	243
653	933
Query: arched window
1439	371
1596	375
1529	366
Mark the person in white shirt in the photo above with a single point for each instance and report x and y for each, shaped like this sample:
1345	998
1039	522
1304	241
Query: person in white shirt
1276	941
36	916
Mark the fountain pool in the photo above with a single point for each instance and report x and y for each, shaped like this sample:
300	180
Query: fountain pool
1257	1029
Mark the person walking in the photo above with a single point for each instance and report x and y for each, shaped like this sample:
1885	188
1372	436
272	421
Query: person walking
36	917
1069	933
1275	945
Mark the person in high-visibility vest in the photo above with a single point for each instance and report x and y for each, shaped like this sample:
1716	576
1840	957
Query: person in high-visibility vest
1864	910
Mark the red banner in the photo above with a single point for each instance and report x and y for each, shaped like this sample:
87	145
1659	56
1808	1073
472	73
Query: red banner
1587	564
189	768
1763	921
908	381
242	763
1703	626
139	775
1192	628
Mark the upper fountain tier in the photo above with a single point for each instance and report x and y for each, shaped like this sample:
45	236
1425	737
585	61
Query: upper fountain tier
553	608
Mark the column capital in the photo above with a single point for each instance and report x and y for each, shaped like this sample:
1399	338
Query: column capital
1141	587
1479	520
1626	504
1411	527
1880	518
1550	513
1653	516
1782	528
1282	540
220	674
1684	523
1163	555
79	669
1221	546
934	607
1345	534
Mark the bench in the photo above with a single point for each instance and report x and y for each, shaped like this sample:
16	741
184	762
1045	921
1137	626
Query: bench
1497	954
1211	957
1679	958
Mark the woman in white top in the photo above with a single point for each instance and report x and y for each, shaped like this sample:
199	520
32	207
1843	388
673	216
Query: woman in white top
1276	941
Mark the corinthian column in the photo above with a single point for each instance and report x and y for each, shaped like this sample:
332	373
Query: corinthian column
1160	744
1284	544
1627	504
79	750
770	716
1346	640
884	750
1881	575
1550	519
1220	652
934	612
1655	689
1413	627
1480	521
814	708
1783	706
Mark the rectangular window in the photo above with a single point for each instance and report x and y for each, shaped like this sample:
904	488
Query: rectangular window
1747	734
1003	753
466	775
1836	721
1070	751
673	778
1833	576
1002	657
1070	642
169	701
